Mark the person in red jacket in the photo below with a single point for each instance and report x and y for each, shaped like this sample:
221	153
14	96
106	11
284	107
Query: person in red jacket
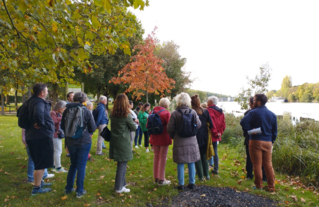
219	126
161	143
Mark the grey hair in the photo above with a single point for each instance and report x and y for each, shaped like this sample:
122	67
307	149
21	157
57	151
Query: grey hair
102	98
89	103
80	97
164	102
212	99
59	105
183	99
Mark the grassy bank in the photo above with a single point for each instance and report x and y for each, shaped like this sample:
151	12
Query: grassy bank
100	176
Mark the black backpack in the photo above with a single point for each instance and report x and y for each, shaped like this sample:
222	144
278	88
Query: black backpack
188	126
154	123
73	122
23	117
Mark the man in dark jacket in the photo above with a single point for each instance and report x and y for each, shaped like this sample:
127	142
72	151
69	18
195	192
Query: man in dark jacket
101	121
39	136
260	144
249	164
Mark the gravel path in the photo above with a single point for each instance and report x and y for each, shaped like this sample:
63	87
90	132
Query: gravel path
212	196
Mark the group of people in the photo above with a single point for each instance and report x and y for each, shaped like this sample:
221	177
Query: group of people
195	128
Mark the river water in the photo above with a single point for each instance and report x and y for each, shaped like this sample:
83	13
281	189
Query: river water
297	110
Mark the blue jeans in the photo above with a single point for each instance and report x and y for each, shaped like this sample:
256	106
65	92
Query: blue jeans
78	155
139	134
211	161
103	145
191	173
31	167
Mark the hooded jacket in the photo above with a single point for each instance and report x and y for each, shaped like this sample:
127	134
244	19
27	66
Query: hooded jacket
218	118
39	113
162	139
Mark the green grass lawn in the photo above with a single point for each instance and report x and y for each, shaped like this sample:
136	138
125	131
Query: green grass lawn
100	176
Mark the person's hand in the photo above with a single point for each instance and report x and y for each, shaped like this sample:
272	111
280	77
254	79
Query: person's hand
219	134
136	121
36	126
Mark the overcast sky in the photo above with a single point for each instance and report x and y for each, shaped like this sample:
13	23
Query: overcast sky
225	41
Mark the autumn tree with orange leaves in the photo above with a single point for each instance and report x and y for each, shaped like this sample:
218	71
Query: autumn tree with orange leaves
145	73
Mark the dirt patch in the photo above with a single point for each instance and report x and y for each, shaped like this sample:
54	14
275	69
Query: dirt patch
212	196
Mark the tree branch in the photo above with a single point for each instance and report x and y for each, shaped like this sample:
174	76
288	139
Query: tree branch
19	33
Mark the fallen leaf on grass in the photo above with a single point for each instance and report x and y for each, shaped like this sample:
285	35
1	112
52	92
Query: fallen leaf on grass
243	177
6	200
64	198
149	192
121	194
276	182
203	195
102	176
87	205
6	173
239	182
26	199
23	166
113	181
246	190
130	196
302	200
98	194
294	198
237	191
286	202
155	189
13	197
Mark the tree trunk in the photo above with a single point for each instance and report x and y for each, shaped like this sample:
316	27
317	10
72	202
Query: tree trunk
7	99
55	93
66	90
2	103
98	93
23	93
16	98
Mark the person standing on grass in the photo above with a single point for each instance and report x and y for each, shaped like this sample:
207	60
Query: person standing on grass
30	169
139	133
120	143
185	149
260	145
249	164
219	125
69	98
101	121
89	106
56	115
39	136
202	138
134	117
142	117
161	143
79	148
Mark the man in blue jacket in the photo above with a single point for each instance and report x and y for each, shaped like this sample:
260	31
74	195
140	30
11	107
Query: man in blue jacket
101	121
260	144
39	136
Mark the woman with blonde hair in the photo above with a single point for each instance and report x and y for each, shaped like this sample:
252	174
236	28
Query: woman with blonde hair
120	143
161	143
185	148
202	137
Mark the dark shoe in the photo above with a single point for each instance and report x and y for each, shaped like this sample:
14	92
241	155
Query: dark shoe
43	184
207	178
68	192
100	154
215	172
36	191
79	195
103	147
68	155
180	187
250	177
191	186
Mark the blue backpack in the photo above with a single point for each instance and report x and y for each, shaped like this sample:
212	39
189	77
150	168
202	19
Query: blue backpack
187	127
154	123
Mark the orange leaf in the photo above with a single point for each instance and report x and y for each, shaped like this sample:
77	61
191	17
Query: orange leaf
87	205
64	198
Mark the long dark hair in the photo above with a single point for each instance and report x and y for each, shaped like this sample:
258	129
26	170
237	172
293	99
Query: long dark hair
121	106
144	107
196	104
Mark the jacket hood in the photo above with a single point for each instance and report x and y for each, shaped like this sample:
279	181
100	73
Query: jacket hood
216	108
70	105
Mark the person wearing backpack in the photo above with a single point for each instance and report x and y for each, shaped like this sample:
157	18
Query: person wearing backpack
101	121
160	142
142	117
182	127
77	124
202	138
34	116
218	118
120	143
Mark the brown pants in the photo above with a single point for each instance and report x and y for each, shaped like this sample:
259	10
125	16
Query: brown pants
260	155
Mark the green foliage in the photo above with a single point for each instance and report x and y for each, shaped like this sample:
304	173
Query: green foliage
203	95
258	84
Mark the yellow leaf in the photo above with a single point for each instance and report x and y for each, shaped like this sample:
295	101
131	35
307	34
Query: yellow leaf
54	27
243	177
87	43
87	205
64	198
98	194
276	182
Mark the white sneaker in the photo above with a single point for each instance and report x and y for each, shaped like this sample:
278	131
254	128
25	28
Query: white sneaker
165	182
49	176
147	150
61	170
136	146
141	146
124	190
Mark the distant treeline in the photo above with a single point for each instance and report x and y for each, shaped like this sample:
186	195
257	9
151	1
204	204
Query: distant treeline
203	95
307	92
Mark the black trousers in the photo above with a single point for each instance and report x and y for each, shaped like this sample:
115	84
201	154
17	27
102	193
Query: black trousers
249	166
